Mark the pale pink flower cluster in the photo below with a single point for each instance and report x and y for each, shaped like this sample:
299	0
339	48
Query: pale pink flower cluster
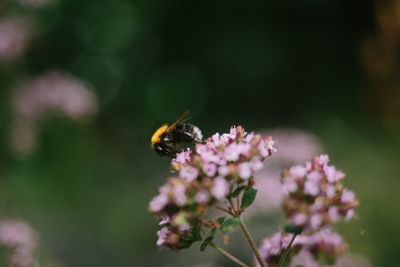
205	177
20	241
295	146
322	244
53	93
314	195
15	35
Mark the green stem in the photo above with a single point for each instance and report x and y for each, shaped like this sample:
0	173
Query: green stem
228	255
251	242
286	252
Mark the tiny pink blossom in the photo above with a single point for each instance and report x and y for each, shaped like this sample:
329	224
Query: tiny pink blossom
348	196
202	197
158	203
220	188
183	157
256	164
270	144
244	170
216	139
314	176
323	159
298	171
330	172
179	194
333	214
164	220
289	187
315	221
330	191
299	219
223	170
263	149
188	173
162	236
232	152
349	215
209	169
311	188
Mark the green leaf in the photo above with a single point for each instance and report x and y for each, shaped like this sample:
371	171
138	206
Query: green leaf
237	191
196	232
229	225
205	243
213	232
288	228
248	197
220	220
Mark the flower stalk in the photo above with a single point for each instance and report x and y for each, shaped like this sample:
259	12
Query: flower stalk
228	255
251	242
286	252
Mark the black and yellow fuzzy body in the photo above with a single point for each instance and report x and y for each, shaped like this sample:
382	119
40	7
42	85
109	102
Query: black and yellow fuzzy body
171	139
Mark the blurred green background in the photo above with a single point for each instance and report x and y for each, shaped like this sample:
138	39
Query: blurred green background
329	67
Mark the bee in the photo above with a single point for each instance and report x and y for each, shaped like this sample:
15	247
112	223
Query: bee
171	139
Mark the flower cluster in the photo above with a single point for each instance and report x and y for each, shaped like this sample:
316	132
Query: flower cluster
53	93
15	35
324	245
295	146
21	242
204	177
315	196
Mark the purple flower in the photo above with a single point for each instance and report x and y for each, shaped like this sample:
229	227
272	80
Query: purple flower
188	173
220	188
322	244
19	239
348	196
244	170
209	169
183	157
315	192
204	177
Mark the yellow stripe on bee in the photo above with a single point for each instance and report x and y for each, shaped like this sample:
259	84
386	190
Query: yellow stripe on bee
157	135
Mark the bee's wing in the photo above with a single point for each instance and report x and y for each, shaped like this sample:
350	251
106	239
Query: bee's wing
181	118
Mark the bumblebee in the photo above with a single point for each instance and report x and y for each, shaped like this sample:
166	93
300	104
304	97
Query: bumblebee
171	139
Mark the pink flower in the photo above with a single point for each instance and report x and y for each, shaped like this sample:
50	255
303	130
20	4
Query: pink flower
202	197
244	170
313	189
333	214
299	219
162	236
298	171
158	203
256	164
203	178
183	157
209	169
188	173
220	188
348	196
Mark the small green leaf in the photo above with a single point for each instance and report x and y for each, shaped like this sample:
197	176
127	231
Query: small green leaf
196	232
248	197
237	191
220	220
205	243
213	232
229	225
288	228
